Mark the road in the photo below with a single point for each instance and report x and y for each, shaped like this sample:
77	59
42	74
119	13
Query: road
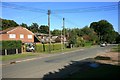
37	68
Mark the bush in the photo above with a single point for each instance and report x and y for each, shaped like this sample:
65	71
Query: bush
57	46
11	44
39	48
53	46
88	43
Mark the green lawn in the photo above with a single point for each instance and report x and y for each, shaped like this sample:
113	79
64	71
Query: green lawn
28	54
16	56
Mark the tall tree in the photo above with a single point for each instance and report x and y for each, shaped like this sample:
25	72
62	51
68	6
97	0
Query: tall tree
89	34
56	32
44	29
24	25
73	37
8	23
118	39
34	27
104	30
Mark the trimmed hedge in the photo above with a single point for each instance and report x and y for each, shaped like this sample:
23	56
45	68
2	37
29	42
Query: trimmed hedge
39	48
53	46
11	44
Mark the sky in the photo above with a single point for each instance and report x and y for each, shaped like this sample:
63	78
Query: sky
60	10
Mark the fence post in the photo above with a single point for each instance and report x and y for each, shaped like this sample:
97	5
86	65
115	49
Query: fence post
16	51
5	52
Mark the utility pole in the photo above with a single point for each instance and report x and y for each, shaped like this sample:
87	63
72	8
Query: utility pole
63	32
61	41
49	31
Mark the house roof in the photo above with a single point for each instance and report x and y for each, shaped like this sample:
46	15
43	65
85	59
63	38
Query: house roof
41	34
10	29
6	30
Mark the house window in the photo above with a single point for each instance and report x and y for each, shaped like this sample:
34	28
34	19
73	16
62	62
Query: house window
21	36
12	36
29	36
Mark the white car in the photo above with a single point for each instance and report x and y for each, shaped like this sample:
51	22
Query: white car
30	49
102	44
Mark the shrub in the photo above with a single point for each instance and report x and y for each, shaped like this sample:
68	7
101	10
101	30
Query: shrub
39	48
53	46
11	44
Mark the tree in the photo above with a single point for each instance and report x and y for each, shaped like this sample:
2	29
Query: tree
104	30
73	37
80	41
56	32
24	25
89	34
118	39
95	26
34	27
8	23
44	29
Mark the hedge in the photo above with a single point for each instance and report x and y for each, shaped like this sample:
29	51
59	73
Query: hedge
53	46
11	44
39	48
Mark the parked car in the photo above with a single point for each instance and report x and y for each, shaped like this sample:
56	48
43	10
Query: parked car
103	44
30	47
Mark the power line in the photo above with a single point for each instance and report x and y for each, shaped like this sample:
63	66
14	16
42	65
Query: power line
36	17
18	7
74	10
66	19
88	9
54	12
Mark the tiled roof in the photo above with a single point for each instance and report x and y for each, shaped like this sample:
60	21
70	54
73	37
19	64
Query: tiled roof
8	29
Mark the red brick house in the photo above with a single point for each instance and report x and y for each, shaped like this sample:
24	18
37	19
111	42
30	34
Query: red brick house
17	33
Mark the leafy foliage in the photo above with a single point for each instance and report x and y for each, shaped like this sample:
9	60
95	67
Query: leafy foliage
54	46
34	27
104	30
56	32
11	44
24	25
44	29
7	24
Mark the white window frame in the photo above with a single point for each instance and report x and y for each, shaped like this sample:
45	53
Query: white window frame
29	36
12	35
21	36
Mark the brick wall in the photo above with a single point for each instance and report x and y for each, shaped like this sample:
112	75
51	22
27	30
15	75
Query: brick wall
17	31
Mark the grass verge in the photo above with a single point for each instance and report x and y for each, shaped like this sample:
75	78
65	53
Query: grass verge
17	56
29	54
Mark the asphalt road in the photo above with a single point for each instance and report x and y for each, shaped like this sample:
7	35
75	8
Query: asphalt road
37	68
